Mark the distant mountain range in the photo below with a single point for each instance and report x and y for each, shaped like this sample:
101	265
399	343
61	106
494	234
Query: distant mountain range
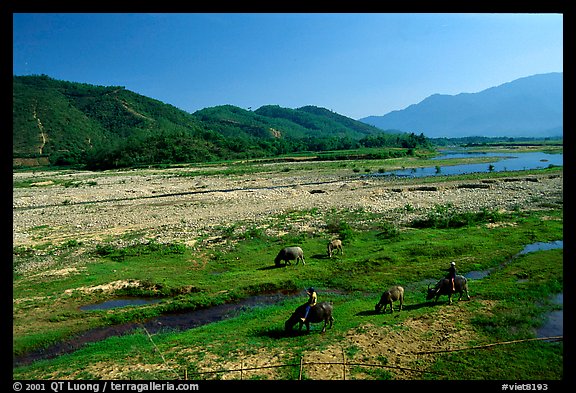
526	107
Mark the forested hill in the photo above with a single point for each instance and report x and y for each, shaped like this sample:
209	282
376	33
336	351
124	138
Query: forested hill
68	123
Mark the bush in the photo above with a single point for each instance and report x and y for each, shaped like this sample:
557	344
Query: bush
447	216
118	254
340	227
388	231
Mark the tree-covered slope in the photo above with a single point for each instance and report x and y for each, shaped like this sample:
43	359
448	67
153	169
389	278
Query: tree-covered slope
316	122
67	121
108	126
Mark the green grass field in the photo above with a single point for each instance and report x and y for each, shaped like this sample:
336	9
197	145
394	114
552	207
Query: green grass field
377	255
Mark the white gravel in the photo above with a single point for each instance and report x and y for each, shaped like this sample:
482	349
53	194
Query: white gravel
87	206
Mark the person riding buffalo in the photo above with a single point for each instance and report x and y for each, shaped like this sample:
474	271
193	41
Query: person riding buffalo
452	274
312	299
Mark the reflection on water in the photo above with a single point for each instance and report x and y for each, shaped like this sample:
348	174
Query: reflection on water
501	162
554	325
542	246
163	323
538	246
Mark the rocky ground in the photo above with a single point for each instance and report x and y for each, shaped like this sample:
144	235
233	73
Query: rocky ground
84	206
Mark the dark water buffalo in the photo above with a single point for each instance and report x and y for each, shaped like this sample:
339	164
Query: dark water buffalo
334	246
289	254
444	287
395	293
321	312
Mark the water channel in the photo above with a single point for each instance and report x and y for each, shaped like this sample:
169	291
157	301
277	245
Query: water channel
120	302
554	325
191	319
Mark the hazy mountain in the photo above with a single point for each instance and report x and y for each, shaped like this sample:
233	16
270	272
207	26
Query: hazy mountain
530	106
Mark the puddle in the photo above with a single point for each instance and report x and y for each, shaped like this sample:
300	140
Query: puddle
539	246
120	302
542	246
478	274
554	325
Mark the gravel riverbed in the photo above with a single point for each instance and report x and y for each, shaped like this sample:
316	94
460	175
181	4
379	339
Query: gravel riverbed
55	207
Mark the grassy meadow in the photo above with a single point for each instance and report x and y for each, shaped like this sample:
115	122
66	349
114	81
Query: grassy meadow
377	255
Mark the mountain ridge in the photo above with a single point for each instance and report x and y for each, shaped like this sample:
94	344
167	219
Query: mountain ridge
529	107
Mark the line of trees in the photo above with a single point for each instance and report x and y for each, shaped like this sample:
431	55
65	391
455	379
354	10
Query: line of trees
182	147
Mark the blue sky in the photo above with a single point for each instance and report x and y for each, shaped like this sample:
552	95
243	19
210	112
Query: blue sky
354	64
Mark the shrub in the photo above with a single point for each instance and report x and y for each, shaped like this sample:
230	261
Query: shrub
447	216
341	227
388	231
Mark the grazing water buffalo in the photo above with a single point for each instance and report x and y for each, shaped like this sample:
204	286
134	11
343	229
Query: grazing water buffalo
444	287
335	245
321	312
391	295
289	254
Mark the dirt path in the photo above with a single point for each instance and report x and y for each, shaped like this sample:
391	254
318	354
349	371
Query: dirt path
42	133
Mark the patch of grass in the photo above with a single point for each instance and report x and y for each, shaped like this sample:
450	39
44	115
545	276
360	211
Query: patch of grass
532	361
517	314
262	329
447	216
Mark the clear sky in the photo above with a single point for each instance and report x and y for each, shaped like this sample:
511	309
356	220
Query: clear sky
354	64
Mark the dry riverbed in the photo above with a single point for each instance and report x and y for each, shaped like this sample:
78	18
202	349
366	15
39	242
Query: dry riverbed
177	205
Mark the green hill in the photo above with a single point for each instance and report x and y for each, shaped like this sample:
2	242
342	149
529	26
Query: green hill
68	123
317	122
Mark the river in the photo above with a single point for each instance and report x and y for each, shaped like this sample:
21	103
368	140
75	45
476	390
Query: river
509	161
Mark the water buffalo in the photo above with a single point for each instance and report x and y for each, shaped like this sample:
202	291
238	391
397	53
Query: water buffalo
321	312
391	295
289	254
444	287
335	245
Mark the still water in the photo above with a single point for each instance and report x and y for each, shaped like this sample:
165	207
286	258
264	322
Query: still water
554	325
538	246
501	162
